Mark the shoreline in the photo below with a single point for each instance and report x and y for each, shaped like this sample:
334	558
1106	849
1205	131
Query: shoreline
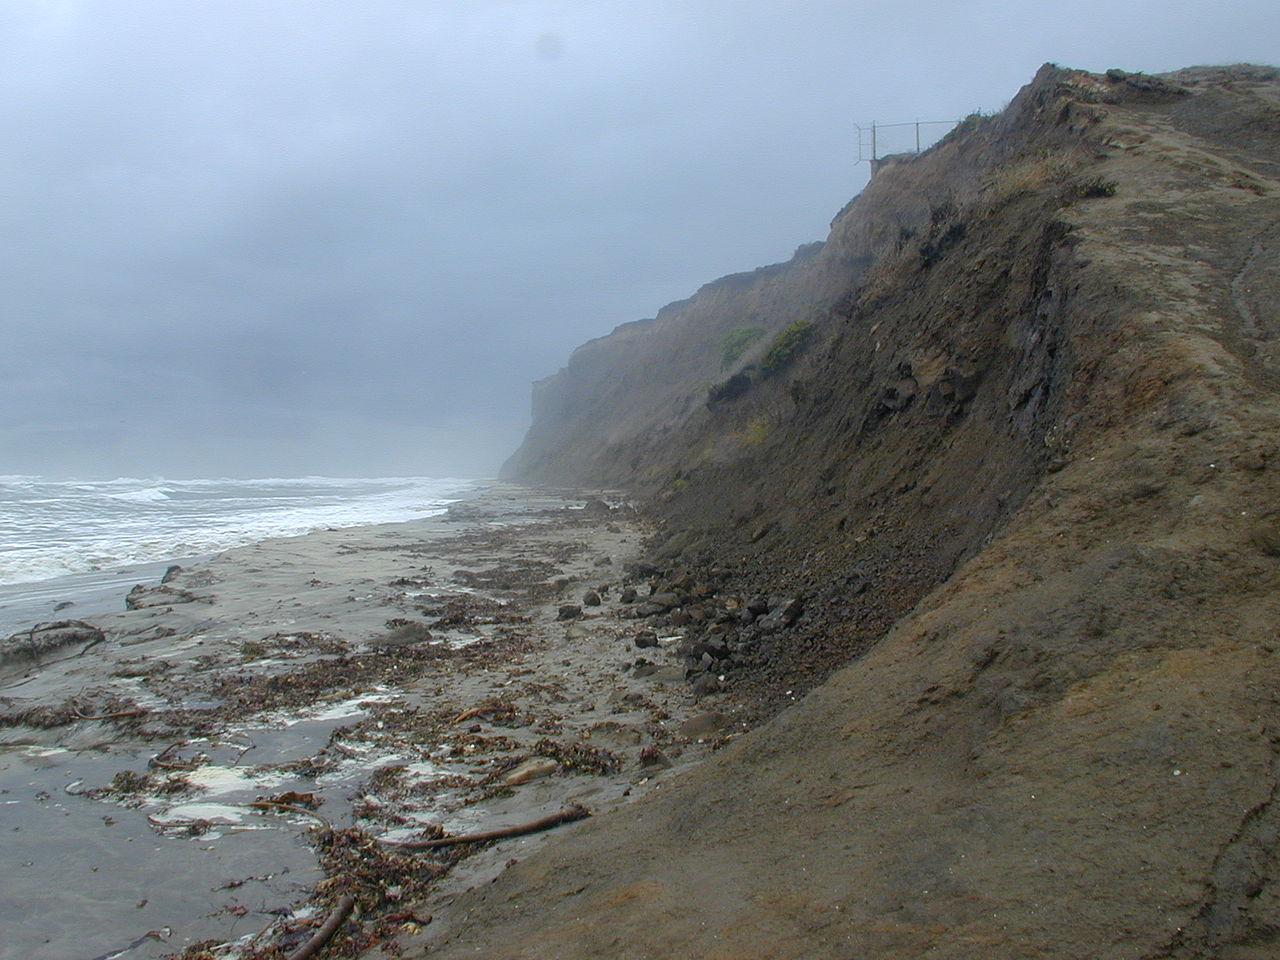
94	593
102	591
394	681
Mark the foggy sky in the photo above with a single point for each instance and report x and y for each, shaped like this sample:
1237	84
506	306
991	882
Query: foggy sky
266	239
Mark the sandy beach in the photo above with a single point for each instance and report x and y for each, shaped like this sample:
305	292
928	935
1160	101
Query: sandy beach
215	765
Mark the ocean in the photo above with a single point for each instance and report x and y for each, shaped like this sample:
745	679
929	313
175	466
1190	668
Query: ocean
88	541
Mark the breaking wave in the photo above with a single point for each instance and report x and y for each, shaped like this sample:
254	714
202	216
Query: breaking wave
51	528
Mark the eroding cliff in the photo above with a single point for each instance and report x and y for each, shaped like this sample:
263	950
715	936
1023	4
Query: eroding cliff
1019	458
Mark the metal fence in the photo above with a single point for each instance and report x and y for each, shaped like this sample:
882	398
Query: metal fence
872	138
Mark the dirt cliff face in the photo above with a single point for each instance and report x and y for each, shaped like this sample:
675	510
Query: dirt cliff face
610	415
1022	465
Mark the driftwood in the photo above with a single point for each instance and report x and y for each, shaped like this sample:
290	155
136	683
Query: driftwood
474	712
326	932
566	815
290	808
118	715
160	762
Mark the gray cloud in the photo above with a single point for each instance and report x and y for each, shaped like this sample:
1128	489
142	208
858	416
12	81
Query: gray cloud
266	238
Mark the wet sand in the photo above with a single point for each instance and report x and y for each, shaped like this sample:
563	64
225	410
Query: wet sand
91	594
372	685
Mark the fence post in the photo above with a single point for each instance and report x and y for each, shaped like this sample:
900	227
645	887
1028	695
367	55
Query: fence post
874	159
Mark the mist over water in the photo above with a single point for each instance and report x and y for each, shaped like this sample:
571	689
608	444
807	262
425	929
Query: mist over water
53	528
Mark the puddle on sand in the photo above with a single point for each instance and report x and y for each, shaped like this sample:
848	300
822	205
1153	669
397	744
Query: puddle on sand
324	713
89	878
215	781
351	768
210	816
212	812
95	876
426	798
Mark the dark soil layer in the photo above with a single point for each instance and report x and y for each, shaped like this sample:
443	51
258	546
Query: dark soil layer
1019	466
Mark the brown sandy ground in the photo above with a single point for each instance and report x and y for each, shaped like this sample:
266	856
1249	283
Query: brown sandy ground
374	684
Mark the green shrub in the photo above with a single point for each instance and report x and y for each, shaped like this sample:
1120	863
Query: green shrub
736	343
786	345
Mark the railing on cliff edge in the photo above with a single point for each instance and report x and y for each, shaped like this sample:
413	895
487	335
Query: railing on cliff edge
868	138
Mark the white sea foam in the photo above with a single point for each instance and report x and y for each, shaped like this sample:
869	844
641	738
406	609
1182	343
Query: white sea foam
218	781
51	528
145	495
212	812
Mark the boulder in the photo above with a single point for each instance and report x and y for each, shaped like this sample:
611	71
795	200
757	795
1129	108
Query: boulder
783	612
569	611
689	647
646	638
650	609
899	395
591	599
705	684
628	595
666	599
717	647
